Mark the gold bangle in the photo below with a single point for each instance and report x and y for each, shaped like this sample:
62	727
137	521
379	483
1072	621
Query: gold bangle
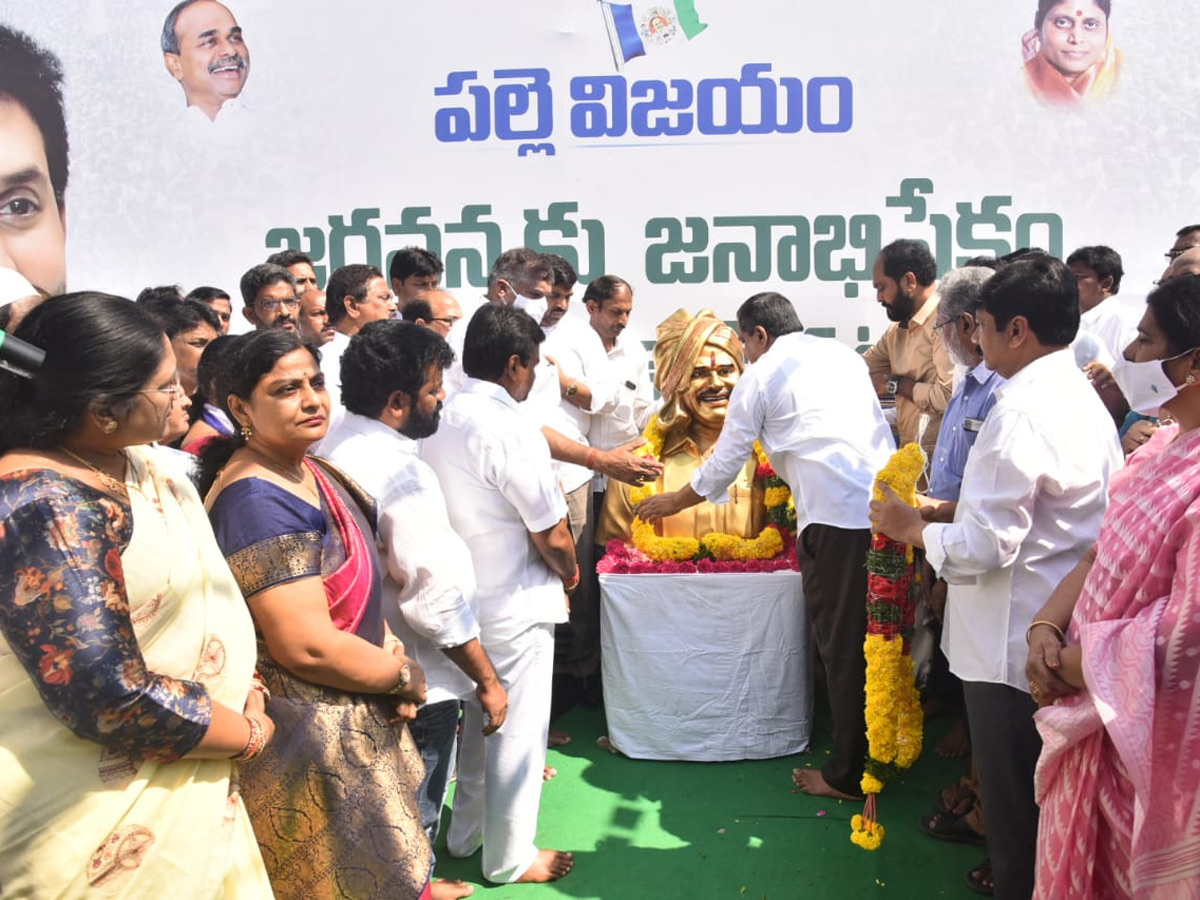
1062	638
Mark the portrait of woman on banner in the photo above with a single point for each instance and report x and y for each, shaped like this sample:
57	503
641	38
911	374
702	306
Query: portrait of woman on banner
1070	59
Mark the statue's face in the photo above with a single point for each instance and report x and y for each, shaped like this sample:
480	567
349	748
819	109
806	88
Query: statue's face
706	394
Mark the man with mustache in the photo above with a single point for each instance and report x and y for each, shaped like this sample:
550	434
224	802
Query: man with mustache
391	377
269	292
910	361
698	361
205	51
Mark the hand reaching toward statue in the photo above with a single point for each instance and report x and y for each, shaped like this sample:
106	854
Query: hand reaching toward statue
622	464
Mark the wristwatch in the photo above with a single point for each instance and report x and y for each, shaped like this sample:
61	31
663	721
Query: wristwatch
572	390
405	678
892	386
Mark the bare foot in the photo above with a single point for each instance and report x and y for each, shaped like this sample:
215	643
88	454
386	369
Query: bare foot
450	889
811	781
558	738
550	865
548	772
956	743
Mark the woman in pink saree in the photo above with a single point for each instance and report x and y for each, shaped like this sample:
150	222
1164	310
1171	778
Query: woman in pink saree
1119	775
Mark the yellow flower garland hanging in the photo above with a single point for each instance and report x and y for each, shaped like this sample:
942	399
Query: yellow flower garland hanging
893	705
719	545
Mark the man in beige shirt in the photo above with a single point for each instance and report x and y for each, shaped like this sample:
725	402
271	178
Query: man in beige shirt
910	360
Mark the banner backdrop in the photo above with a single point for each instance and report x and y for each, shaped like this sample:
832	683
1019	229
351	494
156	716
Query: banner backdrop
702	150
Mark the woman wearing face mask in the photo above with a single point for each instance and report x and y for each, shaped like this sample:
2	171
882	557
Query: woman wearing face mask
1112	654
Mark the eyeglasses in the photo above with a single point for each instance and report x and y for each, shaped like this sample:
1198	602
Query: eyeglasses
272	305
173	391
1172	253
942	324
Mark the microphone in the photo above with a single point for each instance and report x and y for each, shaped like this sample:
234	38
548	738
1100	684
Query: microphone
19	357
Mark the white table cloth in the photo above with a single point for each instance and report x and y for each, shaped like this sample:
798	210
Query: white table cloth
706	667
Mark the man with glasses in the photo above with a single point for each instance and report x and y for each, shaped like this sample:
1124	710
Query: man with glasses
910	361
269	292
434	309
1186	238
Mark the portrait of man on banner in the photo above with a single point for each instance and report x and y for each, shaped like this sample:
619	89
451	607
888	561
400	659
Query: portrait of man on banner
205	51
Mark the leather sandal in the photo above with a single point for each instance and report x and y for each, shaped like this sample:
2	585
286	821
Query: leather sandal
980	879
952	828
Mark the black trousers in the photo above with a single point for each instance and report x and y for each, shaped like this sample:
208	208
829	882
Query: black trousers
833	566
1006	745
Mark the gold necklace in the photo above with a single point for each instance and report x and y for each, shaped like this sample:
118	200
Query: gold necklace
281	471
107	480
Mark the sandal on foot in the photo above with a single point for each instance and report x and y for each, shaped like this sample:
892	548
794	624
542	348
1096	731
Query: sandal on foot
980	879
948	827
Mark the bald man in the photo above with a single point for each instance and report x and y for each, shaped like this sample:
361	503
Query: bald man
435	309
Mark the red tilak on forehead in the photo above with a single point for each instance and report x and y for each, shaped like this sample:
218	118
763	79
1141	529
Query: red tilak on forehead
712	359
1079	13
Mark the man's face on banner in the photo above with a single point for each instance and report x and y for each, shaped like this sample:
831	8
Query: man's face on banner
32	232
213	60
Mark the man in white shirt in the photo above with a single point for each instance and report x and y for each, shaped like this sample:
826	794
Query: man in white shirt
1033	494
504	501
392	391
205	51
1106	325
355	295
609	302
585	390
810	402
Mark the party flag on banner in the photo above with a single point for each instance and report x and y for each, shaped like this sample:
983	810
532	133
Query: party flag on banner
638	27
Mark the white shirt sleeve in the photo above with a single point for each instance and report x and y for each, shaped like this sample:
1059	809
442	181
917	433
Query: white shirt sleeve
995	512
422	559
523	473
743	425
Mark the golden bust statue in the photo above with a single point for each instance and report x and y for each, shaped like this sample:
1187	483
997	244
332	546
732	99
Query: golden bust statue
698	359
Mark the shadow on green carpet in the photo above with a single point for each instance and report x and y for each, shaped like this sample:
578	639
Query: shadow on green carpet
642	829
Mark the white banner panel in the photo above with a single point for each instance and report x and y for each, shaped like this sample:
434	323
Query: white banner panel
751	146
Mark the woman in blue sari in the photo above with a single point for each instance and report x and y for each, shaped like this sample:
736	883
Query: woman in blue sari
333	802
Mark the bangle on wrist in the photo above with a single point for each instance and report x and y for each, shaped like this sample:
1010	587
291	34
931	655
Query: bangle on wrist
1062	638
402	682
256	742
257	684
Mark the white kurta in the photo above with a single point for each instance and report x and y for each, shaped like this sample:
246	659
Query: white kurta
495	472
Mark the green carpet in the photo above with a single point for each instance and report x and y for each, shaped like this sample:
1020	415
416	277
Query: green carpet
727	830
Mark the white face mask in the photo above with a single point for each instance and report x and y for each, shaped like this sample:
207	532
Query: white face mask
535	306
1145	384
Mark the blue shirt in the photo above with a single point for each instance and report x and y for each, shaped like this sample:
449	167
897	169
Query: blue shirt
972	400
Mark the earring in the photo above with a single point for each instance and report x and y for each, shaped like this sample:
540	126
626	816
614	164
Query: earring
246	433
109	427
1191	379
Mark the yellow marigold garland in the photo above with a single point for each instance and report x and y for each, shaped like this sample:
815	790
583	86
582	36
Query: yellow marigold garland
719	545
893	705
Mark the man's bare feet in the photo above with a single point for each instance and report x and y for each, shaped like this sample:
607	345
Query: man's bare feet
811	781
548	772
550	865
558	738
450	889
956	743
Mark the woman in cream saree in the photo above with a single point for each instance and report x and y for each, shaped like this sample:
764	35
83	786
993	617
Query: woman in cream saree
95	799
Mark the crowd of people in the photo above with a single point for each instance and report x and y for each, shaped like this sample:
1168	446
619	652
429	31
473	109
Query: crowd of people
262	595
